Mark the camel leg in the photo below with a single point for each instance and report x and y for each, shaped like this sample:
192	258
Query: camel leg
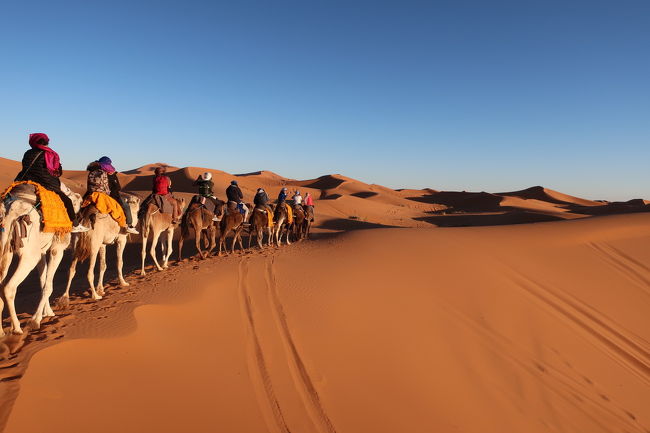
5	263
211	237
170	239
56	256
42	270
42	276
206	238
64	300
44	309
198	233
181	240
288	233
222	241
102	269
152	250
239	238
26	263
143	254
121	244
91	273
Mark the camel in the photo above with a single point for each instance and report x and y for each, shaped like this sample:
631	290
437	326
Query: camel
298	222
281	224
200	219
233	221
157	222
309	219
105	231
259	223
23	237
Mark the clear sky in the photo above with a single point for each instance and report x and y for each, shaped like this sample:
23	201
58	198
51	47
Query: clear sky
466	95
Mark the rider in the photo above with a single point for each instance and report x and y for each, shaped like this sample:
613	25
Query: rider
162	187
205	184
102	177
297	199
262	200
282	197
41	165
234	194
309	201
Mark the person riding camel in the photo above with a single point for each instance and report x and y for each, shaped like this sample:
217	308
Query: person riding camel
282	197
205	184
297	199
282	201
234	194
308	205
309	200
162	187
102	177
41	164
261	201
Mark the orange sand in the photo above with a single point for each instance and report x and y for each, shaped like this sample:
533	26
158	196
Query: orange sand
527	328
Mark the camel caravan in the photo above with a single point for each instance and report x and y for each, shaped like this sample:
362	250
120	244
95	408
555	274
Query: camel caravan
41	217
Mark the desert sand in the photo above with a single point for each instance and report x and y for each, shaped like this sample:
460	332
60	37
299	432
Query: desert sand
413	326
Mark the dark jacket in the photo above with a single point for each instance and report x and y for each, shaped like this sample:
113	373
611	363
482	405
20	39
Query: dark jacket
261	199
114	185
282	197
205	187
38	171
233	193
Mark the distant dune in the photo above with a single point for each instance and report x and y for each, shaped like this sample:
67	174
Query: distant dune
344	203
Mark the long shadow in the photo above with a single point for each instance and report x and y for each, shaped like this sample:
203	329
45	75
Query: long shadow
325	182
486	202
343	224
464	220
463	201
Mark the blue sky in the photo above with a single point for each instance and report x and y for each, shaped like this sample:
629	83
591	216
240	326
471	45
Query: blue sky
465	95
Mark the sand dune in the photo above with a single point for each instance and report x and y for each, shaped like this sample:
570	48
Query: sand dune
535	328
527	328
346	203
548	195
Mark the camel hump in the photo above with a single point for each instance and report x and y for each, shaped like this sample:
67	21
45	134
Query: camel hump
25	192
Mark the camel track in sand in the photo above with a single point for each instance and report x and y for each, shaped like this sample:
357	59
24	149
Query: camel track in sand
258	370
622	346
262	377
626	265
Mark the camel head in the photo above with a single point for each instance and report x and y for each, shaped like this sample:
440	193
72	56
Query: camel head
181	204
133	203
220	209
76	198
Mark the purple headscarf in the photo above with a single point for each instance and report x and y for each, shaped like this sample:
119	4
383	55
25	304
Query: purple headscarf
106	164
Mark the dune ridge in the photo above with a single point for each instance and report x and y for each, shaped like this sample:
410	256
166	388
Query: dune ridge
345	203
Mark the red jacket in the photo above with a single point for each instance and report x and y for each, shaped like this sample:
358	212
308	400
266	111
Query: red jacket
161	185
309	201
